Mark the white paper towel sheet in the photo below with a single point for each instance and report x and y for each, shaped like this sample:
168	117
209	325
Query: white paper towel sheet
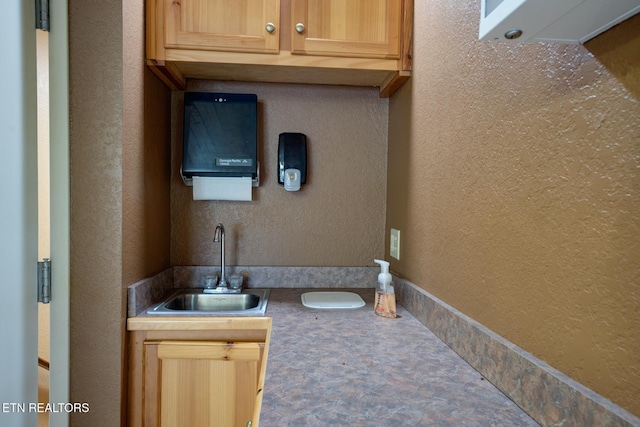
208	188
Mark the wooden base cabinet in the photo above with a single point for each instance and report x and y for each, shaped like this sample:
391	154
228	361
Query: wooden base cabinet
197	371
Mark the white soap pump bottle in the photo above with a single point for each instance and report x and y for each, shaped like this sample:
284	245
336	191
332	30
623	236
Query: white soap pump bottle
385	301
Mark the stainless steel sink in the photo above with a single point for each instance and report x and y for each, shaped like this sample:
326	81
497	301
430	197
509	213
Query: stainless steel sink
190	302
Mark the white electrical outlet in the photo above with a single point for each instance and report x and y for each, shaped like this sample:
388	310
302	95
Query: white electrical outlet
394	244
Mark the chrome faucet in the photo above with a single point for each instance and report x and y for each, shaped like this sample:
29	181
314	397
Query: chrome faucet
222	287
219	237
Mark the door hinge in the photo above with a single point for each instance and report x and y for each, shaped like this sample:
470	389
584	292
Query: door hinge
42	15
44	281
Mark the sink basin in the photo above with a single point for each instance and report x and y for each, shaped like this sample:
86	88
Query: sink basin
190	302
211	302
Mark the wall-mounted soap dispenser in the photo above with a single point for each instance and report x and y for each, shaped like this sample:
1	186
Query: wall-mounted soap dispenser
292	160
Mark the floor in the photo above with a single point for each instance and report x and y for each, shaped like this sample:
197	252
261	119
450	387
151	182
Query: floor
43	395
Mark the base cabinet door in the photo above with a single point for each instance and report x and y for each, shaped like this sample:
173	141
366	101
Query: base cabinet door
196	371
200	383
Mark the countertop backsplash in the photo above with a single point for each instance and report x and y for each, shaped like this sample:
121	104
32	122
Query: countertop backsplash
147	291
282	277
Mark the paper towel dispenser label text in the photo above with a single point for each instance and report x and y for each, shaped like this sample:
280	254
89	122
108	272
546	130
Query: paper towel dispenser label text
234	162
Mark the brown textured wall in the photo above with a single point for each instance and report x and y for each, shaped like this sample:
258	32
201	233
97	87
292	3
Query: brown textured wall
133	160
336	219
157	176
96	135
513	177
146	162
120	163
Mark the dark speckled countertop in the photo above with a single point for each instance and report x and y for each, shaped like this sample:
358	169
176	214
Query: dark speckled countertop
353	368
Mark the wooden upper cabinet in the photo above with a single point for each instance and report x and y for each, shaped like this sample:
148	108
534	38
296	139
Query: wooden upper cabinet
350	28
344	42
222	25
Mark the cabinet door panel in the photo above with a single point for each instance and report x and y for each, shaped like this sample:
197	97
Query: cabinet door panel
207	383
354	28
234	25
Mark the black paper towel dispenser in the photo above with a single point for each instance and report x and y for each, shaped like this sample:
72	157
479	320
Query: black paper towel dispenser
220	136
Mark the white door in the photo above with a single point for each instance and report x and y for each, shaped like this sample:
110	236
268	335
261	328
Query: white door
18	214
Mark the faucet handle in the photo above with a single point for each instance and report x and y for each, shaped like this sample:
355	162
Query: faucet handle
235	281
210	282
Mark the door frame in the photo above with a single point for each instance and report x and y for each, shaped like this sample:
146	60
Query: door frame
59	373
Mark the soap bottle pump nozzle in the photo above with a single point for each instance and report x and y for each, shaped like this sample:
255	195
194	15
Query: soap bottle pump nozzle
384	276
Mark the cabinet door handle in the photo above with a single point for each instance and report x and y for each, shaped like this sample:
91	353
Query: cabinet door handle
270	27
300	27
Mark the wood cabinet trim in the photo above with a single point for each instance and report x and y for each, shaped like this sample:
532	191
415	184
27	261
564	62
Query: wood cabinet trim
210	350
407	36
197	323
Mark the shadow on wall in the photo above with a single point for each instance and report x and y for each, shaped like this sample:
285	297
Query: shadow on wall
606	48
399	159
